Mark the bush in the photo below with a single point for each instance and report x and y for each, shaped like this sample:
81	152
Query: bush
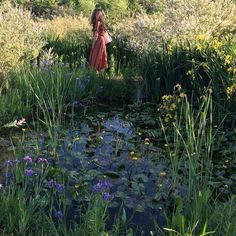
113	9
188	18
39	7
85	6
20	38
184	20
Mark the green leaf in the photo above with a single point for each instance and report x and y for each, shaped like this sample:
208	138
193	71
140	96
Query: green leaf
123	217
112	174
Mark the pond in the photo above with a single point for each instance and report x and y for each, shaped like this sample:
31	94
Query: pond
110	145
126	147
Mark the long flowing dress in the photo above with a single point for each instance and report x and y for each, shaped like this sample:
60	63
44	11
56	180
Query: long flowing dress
98	54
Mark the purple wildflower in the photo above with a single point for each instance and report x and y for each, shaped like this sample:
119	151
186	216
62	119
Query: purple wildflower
50	184
27	159
58	215
42	161
101	186
60	187
28	172
106	196
10	163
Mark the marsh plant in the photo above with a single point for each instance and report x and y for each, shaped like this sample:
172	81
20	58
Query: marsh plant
190	151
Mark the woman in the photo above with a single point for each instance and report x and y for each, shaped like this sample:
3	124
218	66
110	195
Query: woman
98	54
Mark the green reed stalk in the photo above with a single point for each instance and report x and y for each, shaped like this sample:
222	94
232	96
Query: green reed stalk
51	92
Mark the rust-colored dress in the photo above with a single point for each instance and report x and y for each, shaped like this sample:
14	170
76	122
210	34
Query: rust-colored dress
98	54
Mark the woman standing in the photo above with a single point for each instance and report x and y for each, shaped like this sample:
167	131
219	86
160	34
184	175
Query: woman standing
98	54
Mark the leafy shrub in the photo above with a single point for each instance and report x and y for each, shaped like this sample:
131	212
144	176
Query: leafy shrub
188	18
85	6
39	7
20	38
113	9
148	6
183	19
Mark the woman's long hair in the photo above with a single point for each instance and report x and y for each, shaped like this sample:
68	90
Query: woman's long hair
98	15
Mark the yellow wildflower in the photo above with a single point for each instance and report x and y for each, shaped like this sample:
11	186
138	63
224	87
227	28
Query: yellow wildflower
173	41
178	86
189	72
228	59
216	44
200	37
230	90
230	69
146	141
163	173
182	95
199	47
77	186
166	119
173	106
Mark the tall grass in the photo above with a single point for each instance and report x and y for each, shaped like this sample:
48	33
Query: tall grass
196	211
53	93
192	142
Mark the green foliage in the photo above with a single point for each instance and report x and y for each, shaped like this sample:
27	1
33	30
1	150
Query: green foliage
149	6
74	48
49	91
196	213
18	214
27	198
85	6
39	7
94	219
20	42
113	9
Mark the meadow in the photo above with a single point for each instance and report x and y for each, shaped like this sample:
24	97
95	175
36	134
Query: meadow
146	147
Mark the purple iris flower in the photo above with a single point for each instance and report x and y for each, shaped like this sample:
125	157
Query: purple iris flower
10	163
42	160
58	215
106	196
27	159
101	186
28	172
60	187
50	184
